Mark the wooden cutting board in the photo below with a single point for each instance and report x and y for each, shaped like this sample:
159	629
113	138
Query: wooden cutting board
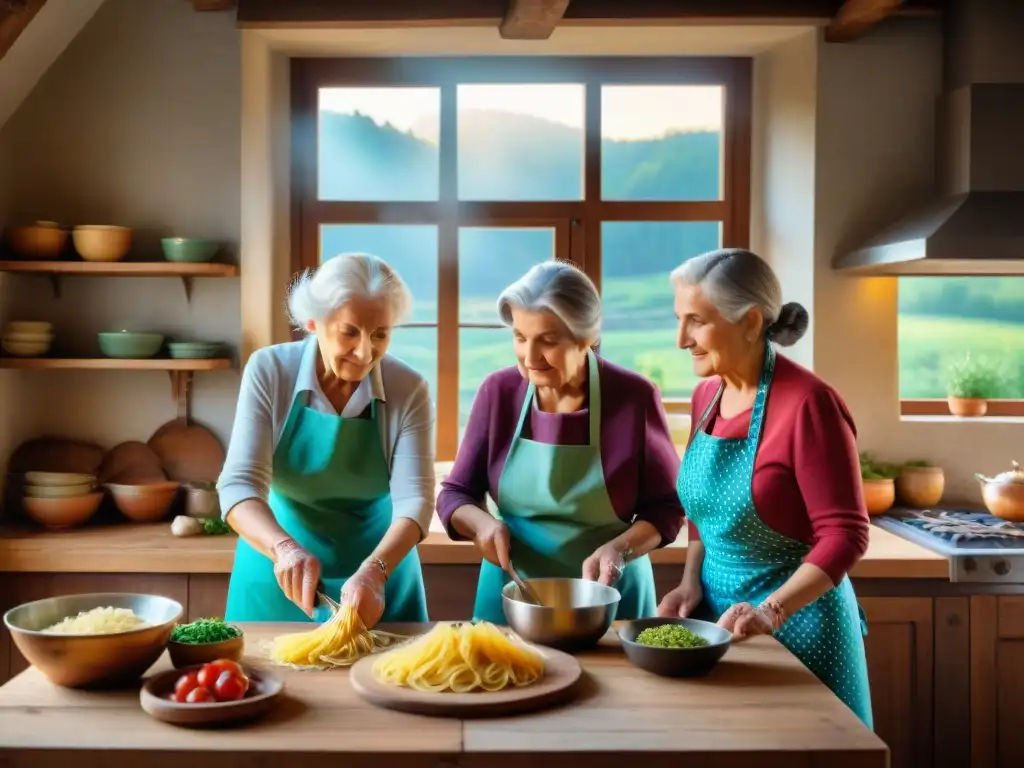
189	453
558	685
131	462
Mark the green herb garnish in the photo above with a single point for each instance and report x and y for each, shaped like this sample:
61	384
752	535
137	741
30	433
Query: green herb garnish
204	631
214	526
671	636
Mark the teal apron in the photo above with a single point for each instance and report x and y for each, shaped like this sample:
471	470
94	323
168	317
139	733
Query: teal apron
556	506
331	493
746	561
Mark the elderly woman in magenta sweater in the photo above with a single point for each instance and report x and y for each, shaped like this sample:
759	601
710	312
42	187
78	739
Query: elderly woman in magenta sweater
575	452
771	478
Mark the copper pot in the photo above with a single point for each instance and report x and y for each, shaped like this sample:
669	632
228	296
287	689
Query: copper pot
1004	494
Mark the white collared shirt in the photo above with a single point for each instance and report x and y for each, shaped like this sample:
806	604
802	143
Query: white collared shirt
277	375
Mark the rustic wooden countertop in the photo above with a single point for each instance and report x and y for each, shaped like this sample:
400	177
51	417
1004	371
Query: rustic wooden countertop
140	548
760	707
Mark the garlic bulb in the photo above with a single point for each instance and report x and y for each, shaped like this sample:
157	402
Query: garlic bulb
186	526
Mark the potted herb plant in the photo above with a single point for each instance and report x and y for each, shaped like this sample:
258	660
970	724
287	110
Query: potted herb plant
970	384
879	482
920	484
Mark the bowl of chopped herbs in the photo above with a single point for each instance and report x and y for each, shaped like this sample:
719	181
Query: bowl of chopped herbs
205	640
674	647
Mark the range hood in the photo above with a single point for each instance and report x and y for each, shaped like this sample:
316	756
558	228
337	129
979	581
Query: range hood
974	224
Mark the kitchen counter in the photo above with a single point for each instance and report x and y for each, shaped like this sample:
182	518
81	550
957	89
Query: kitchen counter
137	548
760	706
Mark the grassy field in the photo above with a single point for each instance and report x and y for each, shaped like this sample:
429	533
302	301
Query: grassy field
640	333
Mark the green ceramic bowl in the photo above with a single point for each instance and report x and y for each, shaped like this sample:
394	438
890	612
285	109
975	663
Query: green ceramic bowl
126	344
194	350
189	249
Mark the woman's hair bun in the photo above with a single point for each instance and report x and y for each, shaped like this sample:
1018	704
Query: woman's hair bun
791	326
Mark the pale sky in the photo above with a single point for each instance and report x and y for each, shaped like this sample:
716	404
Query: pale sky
627	111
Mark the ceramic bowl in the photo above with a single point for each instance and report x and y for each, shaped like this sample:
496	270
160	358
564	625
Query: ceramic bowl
144	502
127	344
102	242
191	654
80	661
29	326
58	491
189	249
675	662
264	689
62	513
58	478
25	348
44	240
194	349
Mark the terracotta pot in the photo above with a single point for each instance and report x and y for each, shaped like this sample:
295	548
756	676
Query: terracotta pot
921	487
879	495
967	407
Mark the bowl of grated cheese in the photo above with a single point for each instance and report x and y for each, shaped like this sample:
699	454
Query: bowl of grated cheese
93	640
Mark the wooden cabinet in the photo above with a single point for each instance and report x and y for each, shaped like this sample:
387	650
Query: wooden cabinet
899	652
997	680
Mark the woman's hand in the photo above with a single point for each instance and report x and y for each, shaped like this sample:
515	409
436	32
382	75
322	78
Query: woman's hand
681	601
297	572
364	591
492	539
605	565
744	620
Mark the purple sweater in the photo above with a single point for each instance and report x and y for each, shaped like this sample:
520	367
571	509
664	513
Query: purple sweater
640	462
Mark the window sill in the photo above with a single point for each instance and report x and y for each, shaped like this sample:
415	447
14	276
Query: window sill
998	410
950	419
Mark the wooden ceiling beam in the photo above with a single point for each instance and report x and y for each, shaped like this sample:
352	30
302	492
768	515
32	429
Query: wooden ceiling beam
328	13
15	16
856	17
532	19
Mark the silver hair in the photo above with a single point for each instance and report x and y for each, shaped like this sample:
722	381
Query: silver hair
560	288
734	281
318	294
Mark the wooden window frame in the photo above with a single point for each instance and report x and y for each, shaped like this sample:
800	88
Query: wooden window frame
449	213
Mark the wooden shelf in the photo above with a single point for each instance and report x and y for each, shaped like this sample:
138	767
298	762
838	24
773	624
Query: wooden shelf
121	268
113	364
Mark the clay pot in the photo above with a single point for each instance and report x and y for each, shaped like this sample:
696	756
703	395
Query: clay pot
921	487
967	407
879	495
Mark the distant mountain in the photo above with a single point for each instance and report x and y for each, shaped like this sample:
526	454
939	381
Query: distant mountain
512	157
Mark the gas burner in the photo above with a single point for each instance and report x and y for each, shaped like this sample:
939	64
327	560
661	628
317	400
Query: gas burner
957	525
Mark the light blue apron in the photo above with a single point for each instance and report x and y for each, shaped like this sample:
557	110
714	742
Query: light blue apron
331	493
556	506
746	561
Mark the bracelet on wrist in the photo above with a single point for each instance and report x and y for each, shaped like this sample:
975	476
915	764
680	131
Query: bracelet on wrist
773	612
379	565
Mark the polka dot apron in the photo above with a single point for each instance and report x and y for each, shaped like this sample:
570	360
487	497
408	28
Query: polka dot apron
746	561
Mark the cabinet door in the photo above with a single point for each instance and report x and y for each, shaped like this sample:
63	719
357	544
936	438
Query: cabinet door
899	651
997	679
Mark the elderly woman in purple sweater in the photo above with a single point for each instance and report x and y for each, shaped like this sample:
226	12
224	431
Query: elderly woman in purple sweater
574	451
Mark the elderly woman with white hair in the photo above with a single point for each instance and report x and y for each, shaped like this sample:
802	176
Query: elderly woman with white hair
329	477
771	478
575	452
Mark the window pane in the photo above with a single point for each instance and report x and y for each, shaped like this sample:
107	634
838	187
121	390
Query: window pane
482	351
378	143
490	259
661	142
640	328
417	347
520	142
411	249
942	319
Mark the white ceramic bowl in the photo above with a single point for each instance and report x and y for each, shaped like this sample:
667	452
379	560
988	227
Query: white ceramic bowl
58	478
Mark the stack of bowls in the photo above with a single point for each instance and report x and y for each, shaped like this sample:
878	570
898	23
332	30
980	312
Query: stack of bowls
27	338
144	502
194	350
60	499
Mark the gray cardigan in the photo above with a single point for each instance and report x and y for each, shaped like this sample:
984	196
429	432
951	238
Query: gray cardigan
277	375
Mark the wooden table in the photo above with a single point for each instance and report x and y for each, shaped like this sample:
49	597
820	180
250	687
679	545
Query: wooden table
760	708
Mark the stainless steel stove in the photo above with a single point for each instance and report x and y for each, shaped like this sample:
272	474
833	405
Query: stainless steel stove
981	548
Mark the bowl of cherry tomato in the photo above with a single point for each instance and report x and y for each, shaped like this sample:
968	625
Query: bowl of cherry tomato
222	691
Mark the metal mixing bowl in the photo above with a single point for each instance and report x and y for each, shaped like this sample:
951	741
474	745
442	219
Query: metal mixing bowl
575	614
80	661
